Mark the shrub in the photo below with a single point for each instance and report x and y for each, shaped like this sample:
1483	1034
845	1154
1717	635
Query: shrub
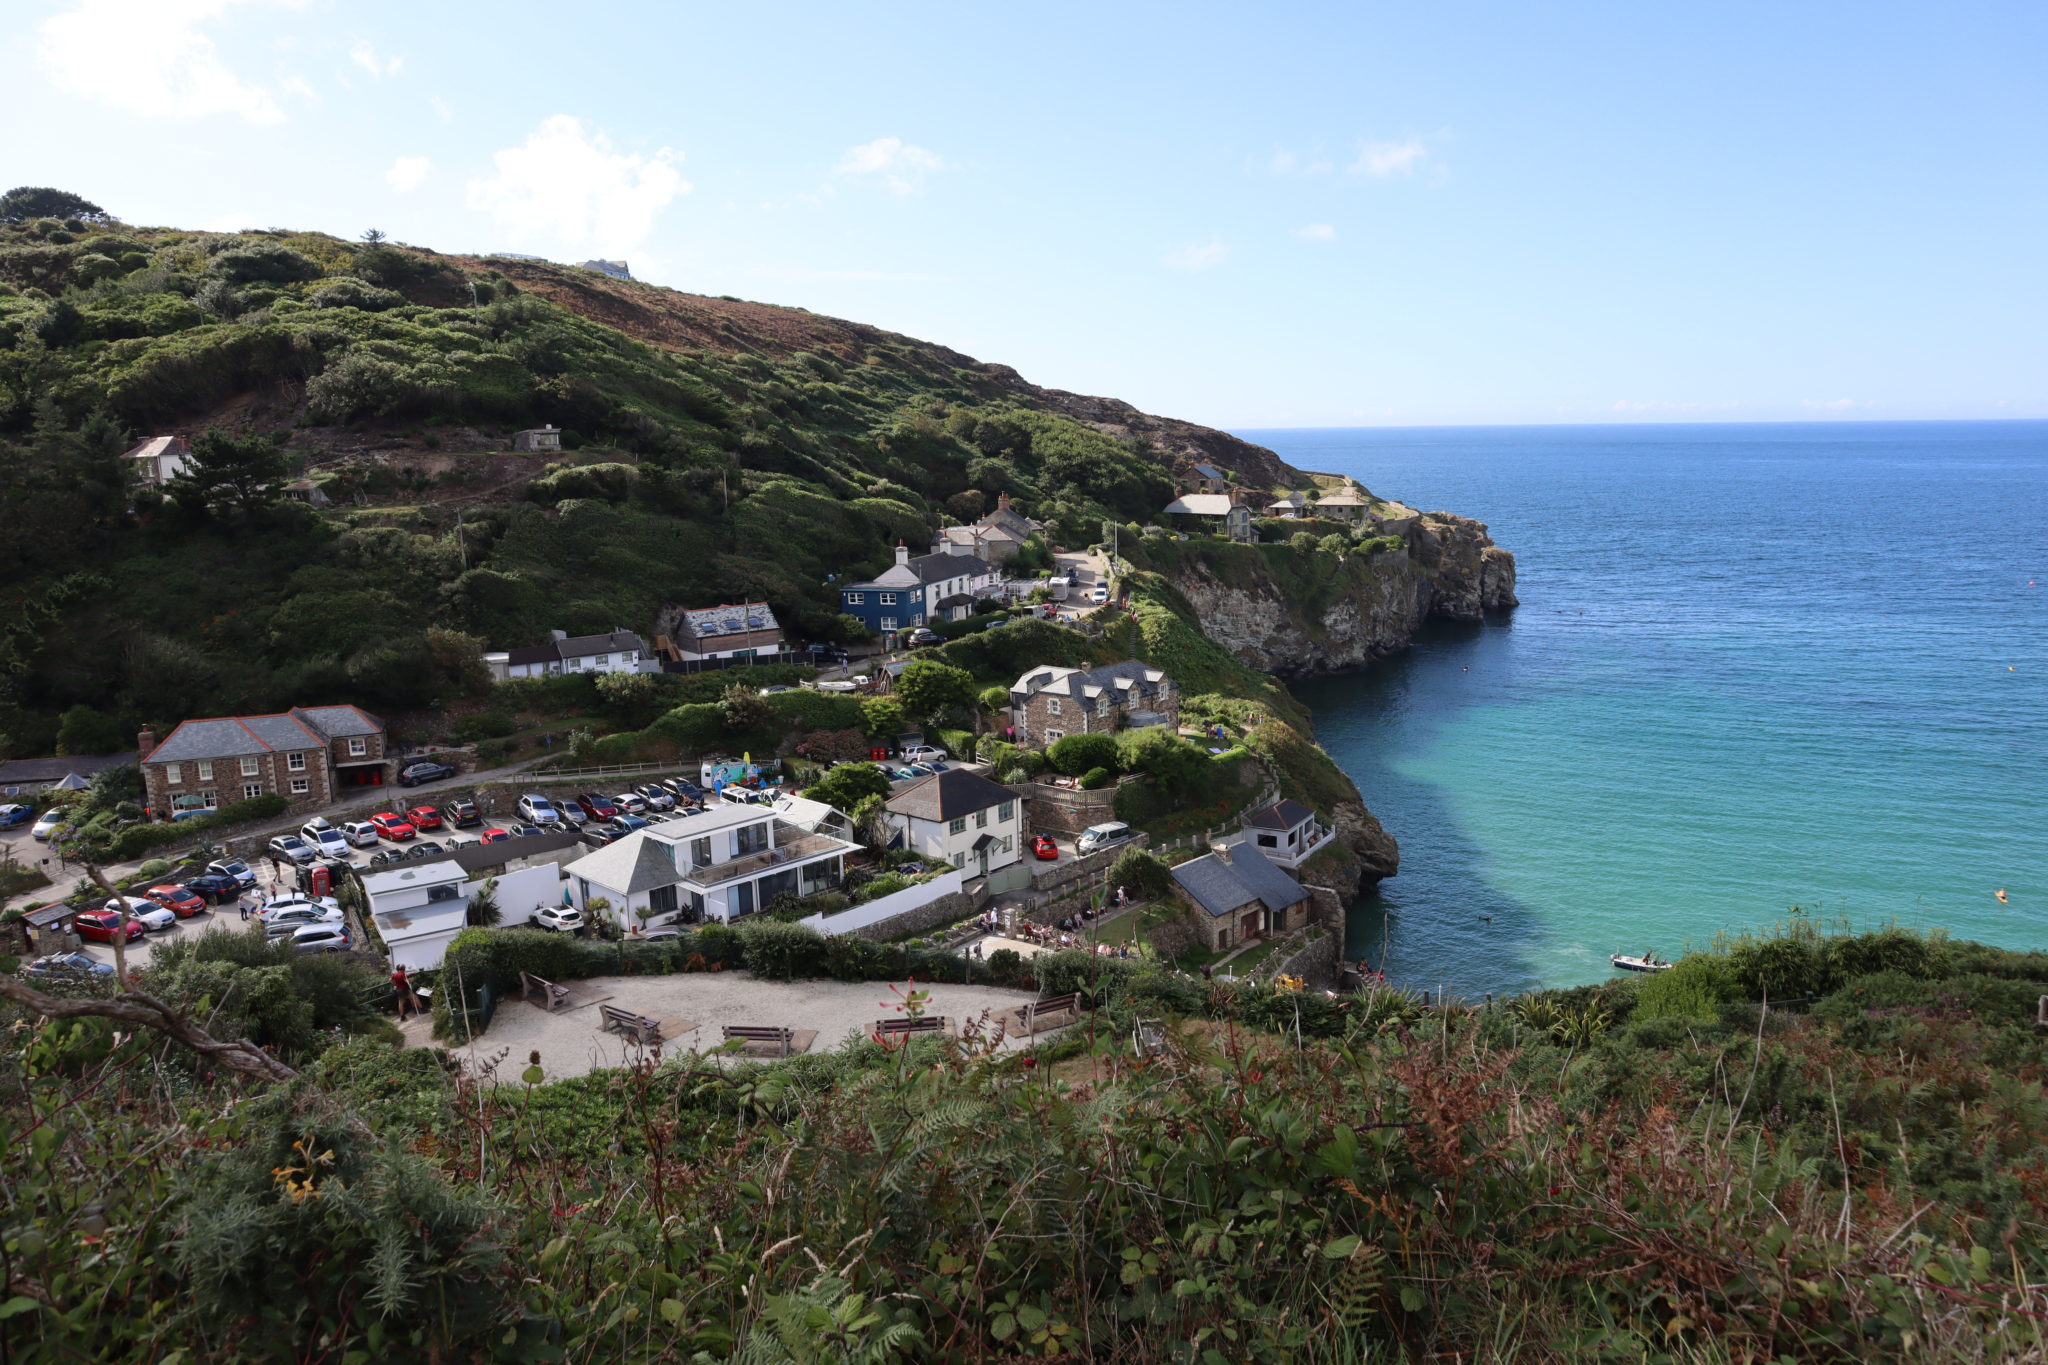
155	867
995	698
781	951
1077	754
848	784
1096	778
1695	988
138	839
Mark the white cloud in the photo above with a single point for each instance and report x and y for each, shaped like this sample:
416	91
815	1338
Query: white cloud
365	56
1380	160
407	173
440	108
1829	404
152	57
1315	232
901	165
1195	257
1666	405
300	86
565	186
1285	162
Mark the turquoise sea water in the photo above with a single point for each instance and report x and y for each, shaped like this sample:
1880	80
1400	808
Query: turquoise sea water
1754	667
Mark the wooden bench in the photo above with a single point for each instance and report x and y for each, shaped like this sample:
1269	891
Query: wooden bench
647	1031
551	995
1052	1005
929	1024
748	1033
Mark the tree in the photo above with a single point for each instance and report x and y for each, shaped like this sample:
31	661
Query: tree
1303	540
884	717
1141	875
850	629
227	471
25	203
1076	754
929	688
744	709
996	698
870	819
1173	763
373	235
1333	545
632	698
83	730
484	911
847	785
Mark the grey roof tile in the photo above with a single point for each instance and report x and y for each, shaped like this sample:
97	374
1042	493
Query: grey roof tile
949	795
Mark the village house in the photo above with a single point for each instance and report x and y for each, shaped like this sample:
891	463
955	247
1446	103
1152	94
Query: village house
73	772
308	755
959	818
159	459
1294	505
743	630
1048	704
1238	894
914	592
545	438
1218	513
1346	504
1288	833
996	538
1207	478
723	864
617	651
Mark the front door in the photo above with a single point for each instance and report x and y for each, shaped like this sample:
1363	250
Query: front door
1250	927
982	856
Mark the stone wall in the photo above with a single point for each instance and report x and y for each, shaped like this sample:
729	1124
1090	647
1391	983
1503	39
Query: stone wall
1065	810
933	914
1314	960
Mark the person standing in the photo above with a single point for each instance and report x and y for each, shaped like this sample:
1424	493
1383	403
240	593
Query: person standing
242	904
402	984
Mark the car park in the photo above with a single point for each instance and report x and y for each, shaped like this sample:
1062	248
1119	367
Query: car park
412	774
327	842
393	827
595	806
494	836
1044	848
181	901
233	868
46	825
566	919
1105	835
66	967
13	815
213	887
144	911
321	938
462	814
423	818
656	796
292	849
102	926
536	808
360	833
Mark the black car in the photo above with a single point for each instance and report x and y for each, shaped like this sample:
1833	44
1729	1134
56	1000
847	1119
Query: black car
425	848
462	814
387	857
827	654
682	788
214	888
412	774
597	836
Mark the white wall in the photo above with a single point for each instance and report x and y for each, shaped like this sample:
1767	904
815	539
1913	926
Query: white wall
875	911
523	892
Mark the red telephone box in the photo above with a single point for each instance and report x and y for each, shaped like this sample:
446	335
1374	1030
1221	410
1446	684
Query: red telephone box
319	881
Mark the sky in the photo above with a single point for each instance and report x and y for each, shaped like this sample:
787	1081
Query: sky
1243	215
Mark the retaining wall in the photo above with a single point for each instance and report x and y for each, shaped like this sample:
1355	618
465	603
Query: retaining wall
912	910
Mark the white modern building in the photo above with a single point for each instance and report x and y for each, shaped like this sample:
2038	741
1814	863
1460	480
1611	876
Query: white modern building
159	459
960	818
617	651
419	907
724	865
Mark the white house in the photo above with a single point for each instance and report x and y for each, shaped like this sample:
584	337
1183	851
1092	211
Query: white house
418	908
812	817
723	864
1288	833
159	459
961	818
618	651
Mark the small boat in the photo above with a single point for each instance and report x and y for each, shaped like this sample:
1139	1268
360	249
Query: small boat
1647	963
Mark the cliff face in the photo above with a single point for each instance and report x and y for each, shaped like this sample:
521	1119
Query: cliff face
1370	608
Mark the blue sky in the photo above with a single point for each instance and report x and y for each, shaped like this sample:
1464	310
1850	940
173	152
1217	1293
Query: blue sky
1292	215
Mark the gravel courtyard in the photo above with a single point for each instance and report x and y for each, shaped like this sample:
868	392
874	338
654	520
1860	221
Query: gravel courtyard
572	1041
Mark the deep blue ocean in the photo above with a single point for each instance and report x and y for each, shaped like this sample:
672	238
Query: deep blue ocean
1754	667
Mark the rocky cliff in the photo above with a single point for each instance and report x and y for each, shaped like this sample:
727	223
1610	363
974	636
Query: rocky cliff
1347	613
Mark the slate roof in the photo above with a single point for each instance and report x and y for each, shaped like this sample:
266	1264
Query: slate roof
20	771
1130	679
1280	815
633	864
612	642
234	737
1220	887
1011	520
337	722
1201	505
949	795
924	569
1208	471
532	654
708	623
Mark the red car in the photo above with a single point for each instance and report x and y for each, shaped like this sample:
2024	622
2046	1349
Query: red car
424	817
597	807
393	827
176	899
1043	846
103	925
492	836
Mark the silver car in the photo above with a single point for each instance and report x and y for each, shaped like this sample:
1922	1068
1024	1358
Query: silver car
321	938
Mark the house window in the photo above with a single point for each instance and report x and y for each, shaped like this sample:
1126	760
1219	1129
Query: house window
958	826
917	594
208	799
887	599
959	860
603	661
750	839
248	767
700	852
917	618
662	900
1003	844
251	790
1268	841
854	599
981	819
358	747
696	902
205	770
1055	736
888	623
300	786
296	762
1007	811
1052	706
174	773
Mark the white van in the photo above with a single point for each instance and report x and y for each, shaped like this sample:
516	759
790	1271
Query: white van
1095	838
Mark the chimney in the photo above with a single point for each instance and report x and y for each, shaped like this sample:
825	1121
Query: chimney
558	635
902	553
145	745
1221	850
1003	502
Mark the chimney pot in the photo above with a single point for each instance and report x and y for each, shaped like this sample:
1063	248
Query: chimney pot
145	744
902	553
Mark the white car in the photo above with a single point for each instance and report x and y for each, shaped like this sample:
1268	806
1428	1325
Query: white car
329	841
566	918
326	905
1105	835
536	809
285	923
632	803
360	833
147	913
46	825
235	870
1100	593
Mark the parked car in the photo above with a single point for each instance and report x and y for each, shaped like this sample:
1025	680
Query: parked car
393	827
536	808
386	857
66	967
292	849
181	901
741	796
360	833
930	769
826	654
213	887
328	905
595	806
1105	835
456	842
631	803
234	869
626	824
1099	593
566	918
321	938
682	788
424	818
102	926
905	774
597	836
493	836
1043	847
778	687
462	814
144	911
425	848
193	813
571	814
921	753
13	815
656	796
46	825
922	637
285	923
426	770
327	842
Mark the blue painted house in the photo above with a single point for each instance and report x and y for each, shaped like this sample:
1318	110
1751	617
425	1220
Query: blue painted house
916	592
